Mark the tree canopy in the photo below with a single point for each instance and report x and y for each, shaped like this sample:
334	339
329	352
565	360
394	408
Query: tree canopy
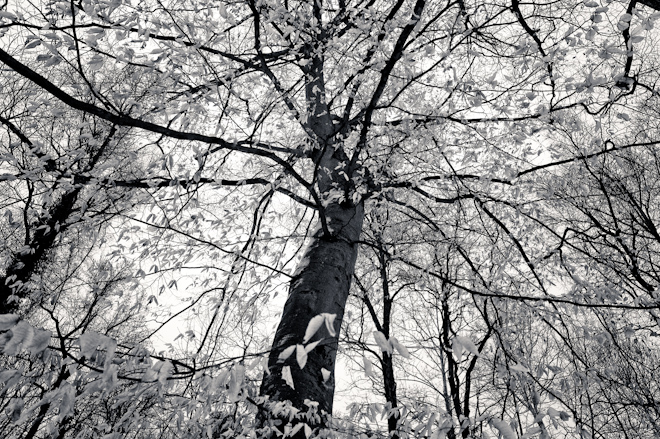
329	218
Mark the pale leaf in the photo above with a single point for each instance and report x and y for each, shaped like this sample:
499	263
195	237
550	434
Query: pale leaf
236	382
286	353
368	367
504	429
164	372
286	375
330	323
7	321
519	368
553	413
314	324
382	342
301	355
22	335
91	340
325	373
401	349
468	344
295	430
457	348
311	346
39	341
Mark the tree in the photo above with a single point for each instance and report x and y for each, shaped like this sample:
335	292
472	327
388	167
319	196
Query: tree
447	111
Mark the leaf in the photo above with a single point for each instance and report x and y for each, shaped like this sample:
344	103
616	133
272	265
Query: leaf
65	407
325	373
96	62
401	349
313	326
382	342
9	15
519	368
32	44
15	408
91	340
236	382
368	367
295	429
330	323
457	349
468	344
311	346
22	335
40	341
286	375
7	321
504	429
301	355
532	431
286	353
164	372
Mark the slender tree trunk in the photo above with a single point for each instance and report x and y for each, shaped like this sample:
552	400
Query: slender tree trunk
321	285
389	383
387	363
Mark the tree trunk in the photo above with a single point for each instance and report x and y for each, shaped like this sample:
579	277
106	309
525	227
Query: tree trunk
321	285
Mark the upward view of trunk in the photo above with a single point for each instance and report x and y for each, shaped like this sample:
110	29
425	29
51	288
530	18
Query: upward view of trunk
322	281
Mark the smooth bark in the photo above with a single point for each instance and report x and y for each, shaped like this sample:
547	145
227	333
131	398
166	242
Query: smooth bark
321	285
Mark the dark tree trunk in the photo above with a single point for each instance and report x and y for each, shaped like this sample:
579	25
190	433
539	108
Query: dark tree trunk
390	394
321	285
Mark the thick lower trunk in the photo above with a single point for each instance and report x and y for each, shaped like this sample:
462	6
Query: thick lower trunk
321	285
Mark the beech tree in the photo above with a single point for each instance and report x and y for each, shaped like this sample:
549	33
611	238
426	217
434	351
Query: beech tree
459	154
